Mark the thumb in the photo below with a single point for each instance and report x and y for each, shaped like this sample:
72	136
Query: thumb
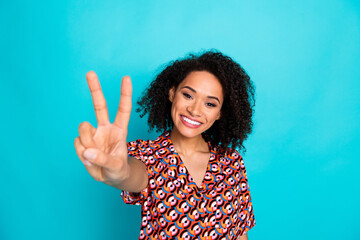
103	167
101	159
94	161
95	156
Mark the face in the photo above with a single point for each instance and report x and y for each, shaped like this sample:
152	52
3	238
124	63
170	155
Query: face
196	103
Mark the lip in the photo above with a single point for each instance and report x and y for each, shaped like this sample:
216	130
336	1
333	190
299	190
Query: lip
189	124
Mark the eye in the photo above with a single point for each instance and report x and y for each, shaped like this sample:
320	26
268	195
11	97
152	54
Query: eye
210	104
188	96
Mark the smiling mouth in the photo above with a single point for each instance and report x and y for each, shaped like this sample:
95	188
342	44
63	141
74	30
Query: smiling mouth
188	120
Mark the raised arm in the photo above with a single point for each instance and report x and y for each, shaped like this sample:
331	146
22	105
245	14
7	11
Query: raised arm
103	150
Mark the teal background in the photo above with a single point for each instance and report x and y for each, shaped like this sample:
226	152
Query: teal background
302	158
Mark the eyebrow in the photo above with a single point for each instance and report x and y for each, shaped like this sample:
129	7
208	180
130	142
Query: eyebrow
193	90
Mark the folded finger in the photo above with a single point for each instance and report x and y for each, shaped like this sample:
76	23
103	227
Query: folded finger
79	148
86	133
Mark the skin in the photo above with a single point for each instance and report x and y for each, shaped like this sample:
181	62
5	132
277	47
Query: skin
198	97
103	150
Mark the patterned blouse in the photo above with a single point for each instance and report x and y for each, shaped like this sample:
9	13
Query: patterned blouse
174	207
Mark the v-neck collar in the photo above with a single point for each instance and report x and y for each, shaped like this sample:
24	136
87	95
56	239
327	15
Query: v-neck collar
212	168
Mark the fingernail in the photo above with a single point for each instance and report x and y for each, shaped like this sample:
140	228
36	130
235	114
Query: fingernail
87	163
90	154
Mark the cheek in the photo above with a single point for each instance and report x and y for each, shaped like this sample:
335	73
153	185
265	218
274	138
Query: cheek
173	112
179	104
216	116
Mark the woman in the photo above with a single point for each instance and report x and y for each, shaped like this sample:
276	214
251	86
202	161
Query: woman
190	183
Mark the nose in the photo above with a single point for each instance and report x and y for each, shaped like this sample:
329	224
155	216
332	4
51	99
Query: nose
194	109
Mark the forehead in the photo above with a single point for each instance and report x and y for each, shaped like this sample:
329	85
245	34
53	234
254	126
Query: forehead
203	82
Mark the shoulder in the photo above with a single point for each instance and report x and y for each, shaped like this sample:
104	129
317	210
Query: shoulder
149	147
228	156
231	163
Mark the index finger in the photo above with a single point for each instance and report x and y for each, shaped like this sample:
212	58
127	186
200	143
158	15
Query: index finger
123	115
98	98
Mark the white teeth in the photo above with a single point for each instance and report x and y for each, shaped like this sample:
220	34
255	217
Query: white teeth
190	121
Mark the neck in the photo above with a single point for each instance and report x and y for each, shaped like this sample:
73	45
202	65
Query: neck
187	145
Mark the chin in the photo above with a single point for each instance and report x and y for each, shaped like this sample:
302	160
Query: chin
190	132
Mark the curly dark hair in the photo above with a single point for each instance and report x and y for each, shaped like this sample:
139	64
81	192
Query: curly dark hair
235	123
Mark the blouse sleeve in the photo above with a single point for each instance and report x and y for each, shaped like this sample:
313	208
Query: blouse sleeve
246	213
140	150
